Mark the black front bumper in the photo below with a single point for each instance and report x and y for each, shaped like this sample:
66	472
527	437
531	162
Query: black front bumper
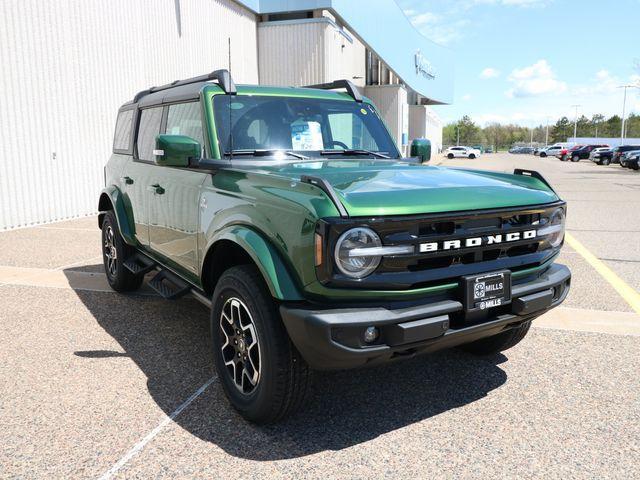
333	338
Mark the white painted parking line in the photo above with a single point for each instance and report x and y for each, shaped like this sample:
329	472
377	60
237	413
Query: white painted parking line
137	448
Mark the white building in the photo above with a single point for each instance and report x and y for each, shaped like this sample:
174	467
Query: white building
68	66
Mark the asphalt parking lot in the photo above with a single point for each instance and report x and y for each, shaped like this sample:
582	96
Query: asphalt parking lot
97	384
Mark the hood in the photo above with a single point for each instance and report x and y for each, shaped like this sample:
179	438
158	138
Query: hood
373	188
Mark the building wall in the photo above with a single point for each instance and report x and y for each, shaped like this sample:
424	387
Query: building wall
68	66
424	123
391	102
306	52
611	141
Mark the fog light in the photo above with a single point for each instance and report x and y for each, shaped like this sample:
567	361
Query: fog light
371	334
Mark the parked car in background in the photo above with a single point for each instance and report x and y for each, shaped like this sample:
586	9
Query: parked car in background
478	147
619	151
551	150
465	152
584	152
565	153
602	156
488	150
626	157
634	161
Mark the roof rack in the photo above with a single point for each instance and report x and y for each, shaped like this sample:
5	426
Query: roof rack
351	88
222	76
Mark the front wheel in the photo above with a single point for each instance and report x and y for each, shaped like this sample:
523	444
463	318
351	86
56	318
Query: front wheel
575	158
605	161
498	343
472	156
542	154
262	374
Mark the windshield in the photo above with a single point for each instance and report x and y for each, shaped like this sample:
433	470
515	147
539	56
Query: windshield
305	126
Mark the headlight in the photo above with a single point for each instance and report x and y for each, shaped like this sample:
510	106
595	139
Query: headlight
554	229
351	257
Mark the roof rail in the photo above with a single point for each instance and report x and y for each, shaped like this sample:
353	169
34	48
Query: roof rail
222	76
351	88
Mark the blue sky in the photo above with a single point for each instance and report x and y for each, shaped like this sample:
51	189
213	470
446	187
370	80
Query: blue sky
522	61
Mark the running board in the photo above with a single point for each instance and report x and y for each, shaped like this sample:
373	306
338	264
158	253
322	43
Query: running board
139	264
168	285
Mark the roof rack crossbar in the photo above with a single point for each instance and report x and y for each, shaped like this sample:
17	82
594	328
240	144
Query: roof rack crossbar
347	84
223	77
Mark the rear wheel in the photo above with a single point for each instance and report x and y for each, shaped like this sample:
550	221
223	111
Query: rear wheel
262	374
498	343
114	253
450	155
575	158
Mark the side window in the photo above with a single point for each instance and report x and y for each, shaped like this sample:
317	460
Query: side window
184	119
122	136
150	120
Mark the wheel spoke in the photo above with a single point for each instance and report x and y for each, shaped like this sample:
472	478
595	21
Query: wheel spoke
240	345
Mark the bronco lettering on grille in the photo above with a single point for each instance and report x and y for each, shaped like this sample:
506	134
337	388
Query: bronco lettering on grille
476	241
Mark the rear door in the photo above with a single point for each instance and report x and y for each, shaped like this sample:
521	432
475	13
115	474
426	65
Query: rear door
175	196
137	176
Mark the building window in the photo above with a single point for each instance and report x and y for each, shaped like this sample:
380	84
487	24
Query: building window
150	120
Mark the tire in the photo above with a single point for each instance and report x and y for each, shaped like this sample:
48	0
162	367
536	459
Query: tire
605	161
247	332
635	166
450	155
472	156
543	155
575	158
563	158
498	343
114	252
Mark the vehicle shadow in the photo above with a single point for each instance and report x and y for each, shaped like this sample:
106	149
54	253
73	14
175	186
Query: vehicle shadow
169	342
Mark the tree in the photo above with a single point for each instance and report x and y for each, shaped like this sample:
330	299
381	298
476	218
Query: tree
561	130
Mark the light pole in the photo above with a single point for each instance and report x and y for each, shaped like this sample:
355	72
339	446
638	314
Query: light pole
575	124
546	135
624	106
458	130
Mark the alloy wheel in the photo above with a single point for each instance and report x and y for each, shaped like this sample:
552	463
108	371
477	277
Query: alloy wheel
241	349
110	251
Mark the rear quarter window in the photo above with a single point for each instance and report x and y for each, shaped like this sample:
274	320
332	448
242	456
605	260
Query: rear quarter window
122	135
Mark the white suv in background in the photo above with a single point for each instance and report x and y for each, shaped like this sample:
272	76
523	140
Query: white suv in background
466	152
551	151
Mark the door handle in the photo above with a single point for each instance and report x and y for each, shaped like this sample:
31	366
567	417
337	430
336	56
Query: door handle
155	188
127	180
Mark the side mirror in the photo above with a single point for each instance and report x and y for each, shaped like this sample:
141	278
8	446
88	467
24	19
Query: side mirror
176	150
421	148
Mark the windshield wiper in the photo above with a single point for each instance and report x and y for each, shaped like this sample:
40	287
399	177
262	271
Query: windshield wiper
354	151
264	153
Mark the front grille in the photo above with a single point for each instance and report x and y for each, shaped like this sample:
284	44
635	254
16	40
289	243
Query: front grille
427	267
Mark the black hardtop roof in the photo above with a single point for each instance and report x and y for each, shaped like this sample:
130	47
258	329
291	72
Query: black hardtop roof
189	89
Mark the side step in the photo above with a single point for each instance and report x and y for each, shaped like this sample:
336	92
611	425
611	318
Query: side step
139	264
168	285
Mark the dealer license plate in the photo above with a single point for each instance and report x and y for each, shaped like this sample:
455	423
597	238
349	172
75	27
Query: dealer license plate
487	290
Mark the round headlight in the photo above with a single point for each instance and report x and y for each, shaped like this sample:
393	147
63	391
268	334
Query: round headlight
554	229
351	255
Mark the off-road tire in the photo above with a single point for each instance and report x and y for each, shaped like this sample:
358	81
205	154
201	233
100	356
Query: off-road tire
498	343
119	277
284	377
450	155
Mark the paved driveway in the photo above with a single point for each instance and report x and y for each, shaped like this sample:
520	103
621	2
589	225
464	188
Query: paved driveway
94	383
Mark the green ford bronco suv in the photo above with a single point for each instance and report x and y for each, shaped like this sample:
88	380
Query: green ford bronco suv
291	213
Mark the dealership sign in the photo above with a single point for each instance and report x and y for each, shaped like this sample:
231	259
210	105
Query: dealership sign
424	66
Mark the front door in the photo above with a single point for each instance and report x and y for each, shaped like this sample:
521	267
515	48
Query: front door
174	217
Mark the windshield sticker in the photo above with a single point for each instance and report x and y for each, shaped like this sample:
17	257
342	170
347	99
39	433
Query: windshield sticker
363	111
306	136
237	106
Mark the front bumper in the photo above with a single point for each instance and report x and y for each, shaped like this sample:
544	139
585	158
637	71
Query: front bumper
330	339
